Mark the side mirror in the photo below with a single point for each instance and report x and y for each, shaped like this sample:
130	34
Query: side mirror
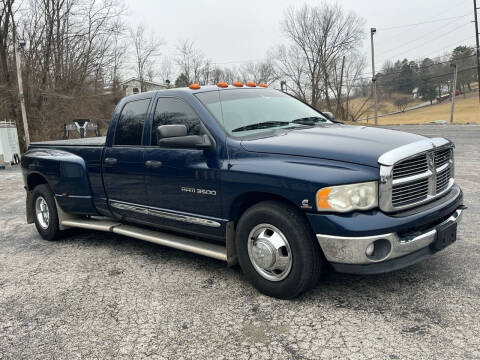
175	137
167	131
329	115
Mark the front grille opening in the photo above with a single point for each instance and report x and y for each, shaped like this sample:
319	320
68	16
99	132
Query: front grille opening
429	183
442	156
443	179
409	193
412	166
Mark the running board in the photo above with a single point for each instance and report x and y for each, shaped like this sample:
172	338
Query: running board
174	241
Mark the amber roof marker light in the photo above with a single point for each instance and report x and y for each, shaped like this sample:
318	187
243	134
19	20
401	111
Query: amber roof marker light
238	84
222	84
251	84
263	85
194	86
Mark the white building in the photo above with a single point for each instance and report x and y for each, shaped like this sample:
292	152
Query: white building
9	148
133	86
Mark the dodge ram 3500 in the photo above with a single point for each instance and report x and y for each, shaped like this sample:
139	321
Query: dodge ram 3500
251	175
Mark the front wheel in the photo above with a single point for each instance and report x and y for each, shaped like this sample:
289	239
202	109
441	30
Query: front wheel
45	213
277	251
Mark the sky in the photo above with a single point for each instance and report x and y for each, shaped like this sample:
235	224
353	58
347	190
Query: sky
231	32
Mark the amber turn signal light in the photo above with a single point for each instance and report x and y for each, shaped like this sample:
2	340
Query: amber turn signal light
194	86
322	198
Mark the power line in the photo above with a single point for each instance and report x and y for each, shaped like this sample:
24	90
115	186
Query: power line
422	44
427	78
398	72
457	43
422	23
419	38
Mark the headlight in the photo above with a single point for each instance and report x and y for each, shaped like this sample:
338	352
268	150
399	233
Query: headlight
344	198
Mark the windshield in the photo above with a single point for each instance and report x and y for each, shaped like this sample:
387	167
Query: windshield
244	112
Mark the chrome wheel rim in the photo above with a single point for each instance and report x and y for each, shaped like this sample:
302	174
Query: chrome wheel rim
42	212
269	252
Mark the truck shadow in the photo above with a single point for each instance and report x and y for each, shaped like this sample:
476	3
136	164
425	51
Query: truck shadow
377	293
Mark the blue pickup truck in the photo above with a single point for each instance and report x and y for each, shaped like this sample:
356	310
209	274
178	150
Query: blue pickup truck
251	175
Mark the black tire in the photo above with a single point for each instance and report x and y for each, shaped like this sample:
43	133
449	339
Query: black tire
307	260
52	230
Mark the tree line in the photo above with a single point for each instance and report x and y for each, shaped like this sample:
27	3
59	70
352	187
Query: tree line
77	52
430	77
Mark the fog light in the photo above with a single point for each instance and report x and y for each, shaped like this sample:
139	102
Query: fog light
370	249
378	250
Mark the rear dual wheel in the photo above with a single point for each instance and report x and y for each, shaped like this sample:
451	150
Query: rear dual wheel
277	250
45	212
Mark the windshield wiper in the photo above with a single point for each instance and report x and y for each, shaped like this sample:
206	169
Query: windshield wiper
261	125
312	120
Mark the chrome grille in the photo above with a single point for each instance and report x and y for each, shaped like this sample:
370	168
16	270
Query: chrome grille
442	156
413	166
415	173
409	193
443	178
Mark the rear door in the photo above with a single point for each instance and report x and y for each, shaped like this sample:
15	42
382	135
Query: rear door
123	164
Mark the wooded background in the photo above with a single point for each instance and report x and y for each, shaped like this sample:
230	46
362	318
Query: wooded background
77	52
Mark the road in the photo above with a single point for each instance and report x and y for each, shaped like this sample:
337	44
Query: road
103	296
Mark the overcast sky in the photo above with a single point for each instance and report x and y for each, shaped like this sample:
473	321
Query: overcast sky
230	32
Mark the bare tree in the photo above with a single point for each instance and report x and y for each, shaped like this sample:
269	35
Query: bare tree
73	49
166	69
193	63
319	36
259	72
146	49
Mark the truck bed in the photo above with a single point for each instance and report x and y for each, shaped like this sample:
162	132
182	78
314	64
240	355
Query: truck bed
90	141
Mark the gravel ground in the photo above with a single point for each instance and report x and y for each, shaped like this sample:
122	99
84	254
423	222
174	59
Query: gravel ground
97	295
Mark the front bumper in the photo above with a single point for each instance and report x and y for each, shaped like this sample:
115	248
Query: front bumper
406	237
352	250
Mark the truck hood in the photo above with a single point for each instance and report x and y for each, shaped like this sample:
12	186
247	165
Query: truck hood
356	144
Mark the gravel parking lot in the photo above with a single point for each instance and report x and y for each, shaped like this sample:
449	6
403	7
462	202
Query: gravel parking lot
97	295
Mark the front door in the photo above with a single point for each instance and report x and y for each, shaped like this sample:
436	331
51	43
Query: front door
123	164
182	184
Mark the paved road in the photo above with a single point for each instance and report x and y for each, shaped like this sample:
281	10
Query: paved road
101	296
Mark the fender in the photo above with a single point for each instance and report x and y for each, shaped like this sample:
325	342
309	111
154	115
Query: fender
65	173
265	173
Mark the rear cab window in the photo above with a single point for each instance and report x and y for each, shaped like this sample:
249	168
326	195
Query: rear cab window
130	123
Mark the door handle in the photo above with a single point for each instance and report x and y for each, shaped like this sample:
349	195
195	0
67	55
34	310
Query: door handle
110	161
153	164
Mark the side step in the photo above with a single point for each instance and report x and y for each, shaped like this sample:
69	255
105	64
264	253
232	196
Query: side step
174	241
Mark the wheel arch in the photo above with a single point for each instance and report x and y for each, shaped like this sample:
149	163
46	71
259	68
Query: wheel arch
34	179
242	203
31	182
247	200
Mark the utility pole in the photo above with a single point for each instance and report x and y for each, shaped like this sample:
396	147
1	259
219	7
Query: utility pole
339	91
374	80
20	44
454	90
478	46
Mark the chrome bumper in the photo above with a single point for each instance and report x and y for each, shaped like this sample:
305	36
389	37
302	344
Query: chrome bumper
352	250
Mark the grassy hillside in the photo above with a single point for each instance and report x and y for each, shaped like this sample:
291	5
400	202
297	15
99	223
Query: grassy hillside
466	110
384	105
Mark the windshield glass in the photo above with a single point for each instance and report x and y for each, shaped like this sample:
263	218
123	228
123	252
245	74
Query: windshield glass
244	112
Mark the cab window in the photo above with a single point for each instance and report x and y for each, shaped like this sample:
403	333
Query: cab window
172	111
130	123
